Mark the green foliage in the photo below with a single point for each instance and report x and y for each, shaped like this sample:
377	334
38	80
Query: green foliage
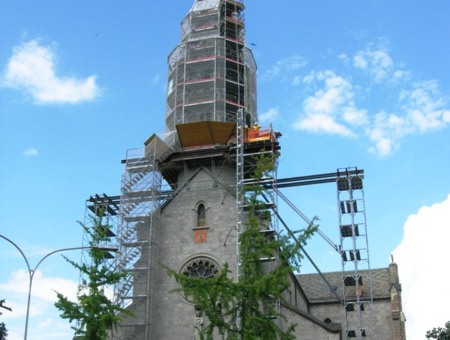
3	330
217	298
439	333
94	313
247	308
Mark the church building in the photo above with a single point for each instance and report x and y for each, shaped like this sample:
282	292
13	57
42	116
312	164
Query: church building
181	205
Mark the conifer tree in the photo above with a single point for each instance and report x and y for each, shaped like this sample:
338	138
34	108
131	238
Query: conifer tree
95	314
3	330
246	308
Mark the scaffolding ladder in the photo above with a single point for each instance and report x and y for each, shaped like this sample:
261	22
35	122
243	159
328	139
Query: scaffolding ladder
239	185
139	201
357	295
247	155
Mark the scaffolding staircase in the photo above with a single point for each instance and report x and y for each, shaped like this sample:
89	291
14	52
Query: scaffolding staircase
354	249
139	203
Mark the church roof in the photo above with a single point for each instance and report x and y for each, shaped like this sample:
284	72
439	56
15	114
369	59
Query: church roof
317	291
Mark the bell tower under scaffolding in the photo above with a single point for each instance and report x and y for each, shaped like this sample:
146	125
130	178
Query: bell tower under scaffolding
212	74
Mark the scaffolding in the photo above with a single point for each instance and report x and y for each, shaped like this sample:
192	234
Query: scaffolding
354	248
212	74
249	150
239	186
100	211
104	210
139	203
212	80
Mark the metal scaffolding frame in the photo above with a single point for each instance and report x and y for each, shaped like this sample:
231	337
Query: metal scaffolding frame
106	209
239	186
212	74
354	249
131	217
212	77
101	209
247	155
140	200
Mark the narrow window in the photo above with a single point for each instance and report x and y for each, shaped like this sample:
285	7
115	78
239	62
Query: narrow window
201	215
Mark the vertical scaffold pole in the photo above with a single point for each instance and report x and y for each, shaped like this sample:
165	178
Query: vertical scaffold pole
239	184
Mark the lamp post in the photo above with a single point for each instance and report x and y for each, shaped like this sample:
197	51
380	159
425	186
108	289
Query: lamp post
32	271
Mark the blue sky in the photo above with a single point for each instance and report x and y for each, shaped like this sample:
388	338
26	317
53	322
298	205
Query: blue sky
351	83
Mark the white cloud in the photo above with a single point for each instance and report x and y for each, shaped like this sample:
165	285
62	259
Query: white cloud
331	102
383	146
421	109
422	257
344	58
32	68
43	292
30	152
269	116
45	322
386	131
424	106
331	107
155	79
354	116
401	75
309	78
446	116
284	66
322	123
297	80
377	62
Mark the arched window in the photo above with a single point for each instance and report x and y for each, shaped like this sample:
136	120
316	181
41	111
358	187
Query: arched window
201	215
201	267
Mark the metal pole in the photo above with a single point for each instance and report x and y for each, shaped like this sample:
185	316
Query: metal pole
32	271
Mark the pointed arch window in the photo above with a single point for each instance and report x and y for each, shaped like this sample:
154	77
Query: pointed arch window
201	215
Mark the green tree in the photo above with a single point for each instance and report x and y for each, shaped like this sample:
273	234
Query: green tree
439	333
94	313
3	330
247	308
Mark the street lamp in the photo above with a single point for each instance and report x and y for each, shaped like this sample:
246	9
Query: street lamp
31	272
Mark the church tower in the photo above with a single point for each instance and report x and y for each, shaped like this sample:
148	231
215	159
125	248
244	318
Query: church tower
212	74
178	198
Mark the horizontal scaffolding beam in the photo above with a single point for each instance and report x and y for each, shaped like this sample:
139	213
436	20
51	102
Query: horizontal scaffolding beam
313	179
279	183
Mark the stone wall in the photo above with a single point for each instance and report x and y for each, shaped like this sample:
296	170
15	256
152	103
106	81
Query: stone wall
174	244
